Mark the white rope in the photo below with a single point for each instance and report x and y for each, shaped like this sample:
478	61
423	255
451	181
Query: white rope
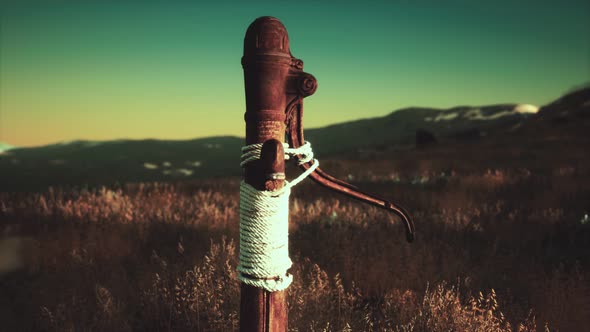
264	231
264	225
252	152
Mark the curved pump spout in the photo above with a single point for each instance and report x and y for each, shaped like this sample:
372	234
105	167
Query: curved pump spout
349	190
295	139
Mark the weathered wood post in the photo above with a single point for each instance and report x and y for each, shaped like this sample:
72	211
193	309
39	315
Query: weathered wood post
266	62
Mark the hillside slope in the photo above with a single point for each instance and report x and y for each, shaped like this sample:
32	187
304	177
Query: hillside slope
519	128
399	127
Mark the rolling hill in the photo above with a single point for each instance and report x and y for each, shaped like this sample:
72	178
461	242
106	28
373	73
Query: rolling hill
119	161
399	127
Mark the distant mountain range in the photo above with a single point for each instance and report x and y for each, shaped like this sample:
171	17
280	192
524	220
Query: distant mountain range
92	163
399	128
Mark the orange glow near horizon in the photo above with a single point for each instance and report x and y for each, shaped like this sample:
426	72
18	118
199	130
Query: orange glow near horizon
102	71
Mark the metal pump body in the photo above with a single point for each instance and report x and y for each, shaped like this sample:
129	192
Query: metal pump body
275	87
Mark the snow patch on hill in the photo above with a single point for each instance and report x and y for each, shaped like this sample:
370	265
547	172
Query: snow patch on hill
178	172
483	114
442	117
147	165
476	114
194	163
526	108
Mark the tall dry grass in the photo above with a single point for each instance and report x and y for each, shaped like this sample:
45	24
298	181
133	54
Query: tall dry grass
496	250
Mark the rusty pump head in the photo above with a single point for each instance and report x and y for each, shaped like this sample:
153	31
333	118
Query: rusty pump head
275	87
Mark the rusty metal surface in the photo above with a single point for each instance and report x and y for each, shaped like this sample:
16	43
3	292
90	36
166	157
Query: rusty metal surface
261	310
275	85
299	86
266	64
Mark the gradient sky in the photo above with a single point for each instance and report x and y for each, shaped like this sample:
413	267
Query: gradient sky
103	70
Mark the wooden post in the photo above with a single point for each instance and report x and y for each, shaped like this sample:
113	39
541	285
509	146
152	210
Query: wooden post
266	65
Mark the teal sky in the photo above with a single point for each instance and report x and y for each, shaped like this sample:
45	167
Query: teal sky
104	70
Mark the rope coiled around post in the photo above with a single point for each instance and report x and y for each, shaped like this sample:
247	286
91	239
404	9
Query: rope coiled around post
264	225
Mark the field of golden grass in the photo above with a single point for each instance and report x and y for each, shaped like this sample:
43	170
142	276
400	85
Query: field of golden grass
499	249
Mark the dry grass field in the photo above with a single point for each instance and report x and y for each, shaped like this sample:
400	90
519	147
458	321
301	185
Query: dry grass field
503	244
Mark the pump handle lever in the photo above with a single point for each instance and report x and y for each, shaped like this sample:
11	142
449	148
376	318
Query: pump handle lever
295	139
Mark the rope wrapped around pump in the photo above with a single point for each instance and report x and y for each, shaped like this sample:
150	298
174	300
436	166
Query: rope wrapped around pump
264	224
